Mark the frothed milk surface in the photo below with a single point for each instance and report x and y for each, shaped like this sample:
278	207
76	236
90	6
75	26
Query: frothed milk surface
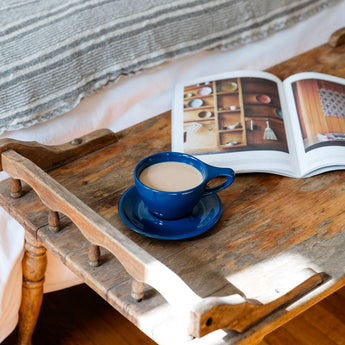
171	176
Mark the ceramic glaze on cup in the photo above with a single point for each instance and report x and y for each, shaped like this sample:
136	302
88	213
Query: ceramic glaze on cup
177	204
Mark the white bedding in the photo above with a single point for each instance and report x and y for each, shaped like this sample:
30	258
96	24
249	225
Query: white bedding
132	100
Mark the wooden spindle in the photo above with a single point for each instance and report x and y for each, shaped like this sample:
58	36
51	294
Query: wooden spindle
94	255
16	188
53	221
137	292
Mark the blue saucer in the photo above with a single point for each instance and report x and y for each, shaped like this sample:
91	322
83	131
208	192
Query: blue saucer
137	217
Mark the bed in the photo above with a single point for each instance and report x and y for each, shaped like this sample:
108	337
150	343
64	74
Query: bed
70	68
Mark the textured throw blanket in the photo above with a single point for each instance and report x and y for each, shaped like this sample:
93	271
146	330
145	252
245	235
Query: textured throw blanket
53	53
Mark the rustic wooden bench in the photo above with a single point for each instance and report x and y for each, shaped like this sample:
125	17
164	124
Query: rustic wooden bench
276	250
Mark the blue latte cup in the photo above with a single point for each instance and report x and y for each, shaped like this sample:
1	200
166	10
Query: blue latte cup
177	204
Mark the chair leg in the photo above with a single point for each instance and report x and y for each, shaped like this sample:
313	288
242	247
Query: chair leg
34	267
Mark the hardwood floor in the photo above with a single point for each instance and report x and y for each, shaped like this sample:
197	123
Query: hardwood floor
78	316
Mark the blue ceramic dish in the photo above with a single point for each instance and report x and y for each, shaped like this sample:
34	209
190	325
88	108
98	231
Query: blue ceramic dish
136	215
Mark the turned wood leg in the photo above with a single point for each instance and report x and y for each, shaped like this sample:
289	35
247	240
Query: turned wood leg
34	266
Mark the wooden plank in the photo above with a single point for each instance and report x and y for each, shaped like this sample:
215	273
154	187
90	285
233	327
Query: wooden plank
27	210
282	337
327	323
304	333
49	157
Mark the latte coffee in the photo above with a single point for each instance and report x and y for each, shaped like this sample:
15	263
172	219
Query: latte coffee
171	176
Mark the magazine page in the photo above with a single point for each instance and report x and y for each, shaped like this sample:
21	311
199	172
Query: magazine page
317	112
235	120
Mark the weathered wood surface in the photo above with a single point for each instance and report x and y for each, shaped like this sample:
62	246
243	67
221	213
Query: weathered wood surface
138	263
49	157
270	224
235	311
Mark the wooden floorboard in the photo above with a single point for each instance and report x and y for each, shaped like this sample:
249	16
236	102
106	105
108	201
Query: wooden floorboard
78	316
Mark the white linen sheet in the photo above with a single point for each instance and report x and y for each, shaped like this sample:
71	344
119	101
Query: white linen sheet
132	100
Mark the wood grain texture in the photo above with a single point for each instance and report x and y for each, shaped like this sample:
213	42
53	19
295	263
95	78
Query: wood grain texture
49	157
271	228
138	263
34	266
141	266
236	313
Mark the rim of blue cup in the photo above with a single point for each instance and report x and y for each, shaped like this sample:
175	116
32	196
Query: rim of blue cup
175	157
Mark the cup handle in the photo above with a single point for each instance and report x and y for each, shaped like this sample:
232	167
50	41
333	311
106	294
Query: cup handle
218	172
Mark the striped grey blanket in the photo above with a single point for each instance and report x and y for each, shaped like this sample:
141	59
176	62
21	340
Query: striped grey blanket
53	53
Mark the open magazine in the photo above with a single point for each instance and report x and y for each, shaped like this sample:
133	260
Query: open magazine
253	122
